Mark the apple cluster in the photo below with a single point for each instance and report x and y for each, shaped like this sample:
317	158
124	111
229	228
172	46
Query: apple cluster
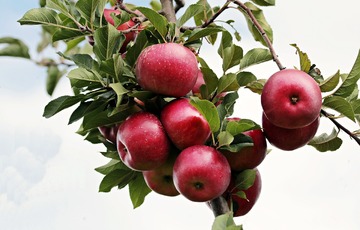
291	101
171	147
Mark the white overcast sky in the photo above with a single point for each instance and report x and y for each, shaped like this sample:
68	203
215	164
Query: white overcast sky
47	177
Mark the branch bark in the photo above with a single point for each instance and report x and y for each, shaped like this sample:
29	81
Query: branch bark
340	126
168	9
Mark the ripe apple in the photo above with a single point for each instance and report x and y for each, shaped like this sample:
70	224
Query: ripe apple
201	173
125	26
289	139
160	180
291	99
184	124
199	82
248	157
142	143
240	205
109	132
170	69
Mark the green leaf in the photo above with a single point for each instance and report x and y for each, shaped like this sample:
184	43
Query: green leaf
190	12
258	14
326	142
87	9
256	86
240	141
112	165
120	92
255	56
245	179
203	32
118	177
138	190
340	105
14	48
141	43
211	80
60	103
227	83
237	127
83	75
225	138
156	19
349	84
264	2
209	111
224	221
330	83
226	108
53	77
108	41
305	62
41	16
59	5
244	78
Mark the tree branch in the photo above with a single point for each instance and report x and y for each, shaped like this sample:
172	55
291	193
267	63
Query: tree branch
179	4
211	20
261	31
340	126
168	9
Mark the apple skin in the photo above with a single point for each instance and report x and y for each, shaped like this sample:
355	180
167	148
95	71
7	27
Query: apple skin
291	99
248	157
201	173
289	139
199	82
142	143
160	180
242	206
184	124
109	132
169	69
125	26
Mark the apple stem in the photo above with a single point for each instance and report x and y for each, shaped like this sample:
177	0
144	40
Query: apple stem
340	126
219	206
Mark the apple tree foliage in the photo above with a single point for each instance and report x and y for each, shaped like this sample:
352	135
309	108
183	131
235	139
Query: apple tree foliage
105	88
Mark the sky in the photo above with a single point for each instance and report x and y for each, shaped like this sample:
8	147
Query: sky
47	176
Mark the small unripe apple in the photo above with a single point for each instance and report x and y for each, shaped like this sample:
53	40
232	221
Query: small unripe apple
142	143
184	124
201	173
289	139
291	99
160	180
169	69
248	157
240	205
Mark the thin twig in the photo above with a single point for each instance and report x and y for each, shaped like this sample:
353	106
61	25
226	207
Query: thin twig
211	20
179	4
340	126
261	31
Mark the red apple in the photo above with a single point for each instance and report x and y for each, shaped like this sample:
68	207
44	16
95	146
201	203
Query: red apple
291	99
125	26
240	205
169	69
201	173
289	139
160	180
248	157
142	142
184	124
199	82
109	132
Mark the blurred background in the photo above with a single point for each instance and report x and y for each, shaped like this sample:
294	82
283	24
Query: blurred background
47	176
